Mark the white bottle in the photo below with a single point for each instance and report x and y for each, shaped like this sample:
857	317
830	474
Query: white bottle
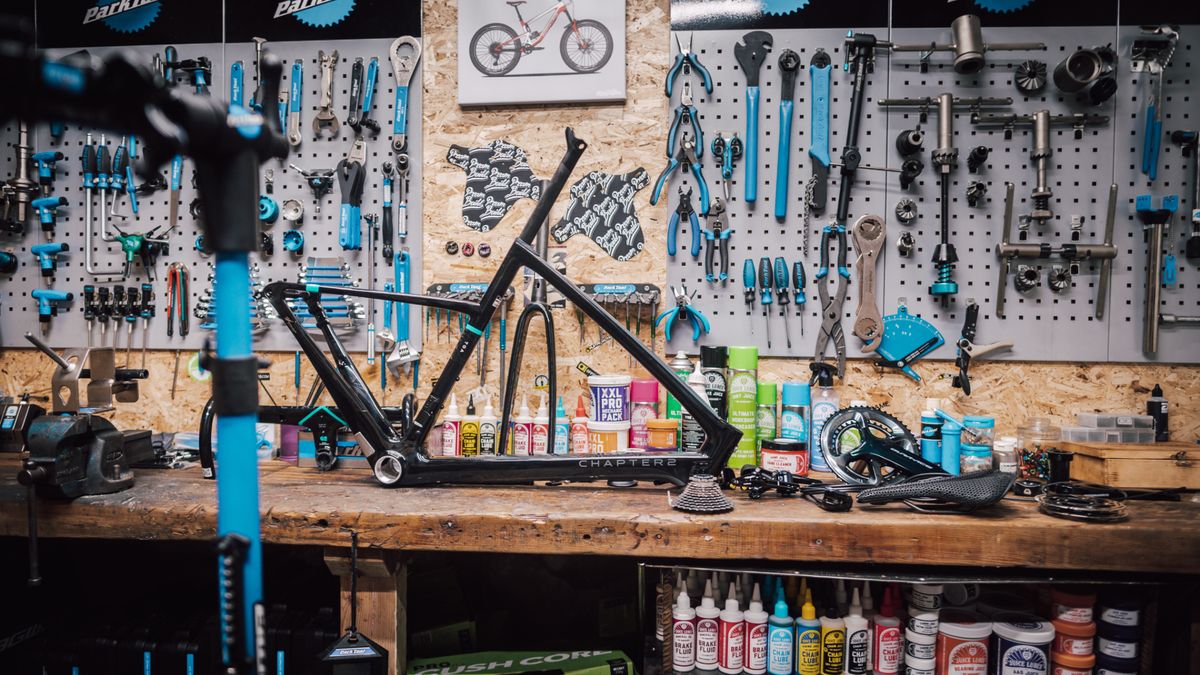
841	598
488	429
562	429
538	439
707	616
451	426
825	402
731	635
858	641
522	430
756	636
683	627
869	613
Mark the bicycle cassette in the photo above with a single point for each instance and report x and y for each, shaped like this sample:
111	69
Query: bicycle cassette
906	339
866	446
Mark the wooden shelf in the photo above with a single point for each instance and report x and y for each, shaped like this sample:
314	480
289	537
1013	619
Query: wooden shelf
302	506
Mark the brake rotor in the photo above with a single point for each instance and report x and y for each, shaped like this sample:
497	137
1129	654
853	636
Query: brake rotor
850	432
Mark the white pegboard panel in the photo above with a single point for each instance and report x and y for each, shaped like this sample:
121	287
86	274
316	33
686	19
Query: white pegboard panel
320	233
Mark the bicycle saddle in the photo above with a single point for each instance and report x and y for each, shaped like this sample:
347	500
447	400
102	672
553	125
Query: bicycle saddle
938	493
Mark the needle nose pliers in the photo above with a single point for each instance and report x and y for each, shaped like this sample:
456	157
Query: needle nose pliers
684	210
685	113
686	155
685	60
683	311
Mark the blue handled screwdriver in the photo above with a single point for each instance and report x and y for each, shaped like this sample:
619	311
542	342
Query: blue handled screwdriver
798	280
781	290
764	283
748	288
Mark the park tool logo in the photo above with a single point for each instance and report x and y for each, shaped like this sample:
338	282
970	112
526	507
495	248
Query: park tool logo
125	16
316	13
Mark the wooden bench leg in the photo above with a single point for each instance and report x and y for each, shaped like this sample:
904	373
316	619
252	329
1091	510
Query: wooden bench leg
382	599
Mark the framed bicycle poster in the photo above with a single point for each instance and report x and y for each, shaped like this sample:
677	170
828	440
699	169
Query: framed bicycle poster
540	51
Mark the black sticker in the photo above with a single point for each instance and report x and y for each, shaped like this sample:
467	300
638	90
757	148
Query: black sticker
601	207
294	20
767	14
498	175
97	23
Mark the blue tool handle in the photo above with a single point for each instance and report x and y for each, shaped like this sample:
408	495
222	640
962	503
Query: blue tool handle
669	86
841	257
748	274
1148	145
662	180
764	280
400	121
369	87
751	164
785	158
1156	144
672	233
703	188
387	306
798	280
131	189
403	269
1170	270
296	87
781	275
819	143
695	117
724	274
235	82
823	266
176	173
296	372
694	222
347	228
672	131
708	86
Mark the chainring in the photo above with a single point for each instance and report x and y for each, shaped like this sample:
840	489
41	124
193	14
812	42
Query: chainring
857	428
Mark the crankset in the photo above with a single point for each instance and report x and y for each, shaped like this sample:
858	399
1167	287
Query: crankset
866	446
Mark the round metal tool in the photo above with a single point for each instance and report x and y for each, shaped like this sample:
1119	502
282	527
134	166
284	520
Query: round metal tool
1030	78
1026	278
292	211
1078	70
851	437
906	211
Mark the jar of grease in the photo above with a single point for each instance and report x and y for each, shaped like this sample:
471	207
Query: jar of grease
1070	664
785	454
1073	638
918	645
1111	665
1071	604
610	398
1120	642
1021	644
962	643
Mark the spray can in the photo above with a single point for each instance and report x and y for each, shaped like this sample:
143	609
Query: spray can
756	636
833	643
643	406
793	420
780	637
683	634
731	635
886	650
693	433
451	428
764	416
707	630
522	432
742	403
808	639
579	429
931	436
858	642
712	365
488	429
683	367
539	436
824	405
951	445
562	429
1156	407
470	430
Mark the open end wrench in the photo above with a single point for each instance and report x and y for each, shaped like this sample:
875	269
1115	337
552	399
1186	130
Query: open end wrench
869	233
750	55
403	67
325	119
789	63
295	96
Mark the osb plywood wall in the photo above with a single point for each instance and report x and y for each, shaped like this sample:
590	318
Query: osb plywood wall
623	137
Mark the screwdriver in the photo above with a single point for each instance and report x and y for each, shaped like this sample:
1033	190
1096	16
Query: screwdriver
798	280
764	282
146	313
781	289
748	285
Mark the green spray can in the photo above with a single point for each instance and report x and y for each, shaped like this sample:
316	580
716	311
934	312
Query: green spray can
743	403
683	367
764	421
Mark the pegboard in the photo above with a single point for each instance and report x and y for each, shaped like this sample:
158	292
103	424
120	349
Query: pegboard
320	232
1045	325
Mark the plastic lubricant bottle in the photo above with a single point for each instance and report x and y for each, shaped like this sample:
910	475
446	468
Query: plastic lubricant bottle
742	403
707	629
562	429
683	367
780	639
824	405
451	428
931	436
712	365
885	649
1156	407
693	435
869	613
858	643
764	416
683	640
808	639
540	434
488	430
579	428
840	597
522	433
756	635
793	420
643	406
470	430
731	635
833	643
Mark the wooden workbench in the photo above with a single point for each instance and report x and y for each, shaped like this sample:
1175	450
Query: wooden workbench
302	506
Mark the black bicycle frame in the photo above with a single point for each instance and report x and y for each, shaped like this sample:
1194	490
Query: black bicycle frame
399	460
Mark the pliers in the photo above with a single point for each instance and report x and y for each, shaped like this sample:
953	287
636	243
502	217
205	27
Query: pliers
684	210
683	311
967	349
726	150
685	60
685	155
685	112
718	231
831	310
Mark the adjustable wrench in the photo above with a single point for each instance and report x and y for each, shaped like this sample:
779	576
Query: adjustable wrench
403	66
869	233
325	119
295	94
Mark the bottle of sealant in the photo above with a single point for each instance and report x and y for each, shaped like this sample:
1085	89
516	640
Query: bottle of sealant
764	415
808	638
858	643
707	630
824	405
692	433
683	634
742	403
780	637
451	427
488	429
522	433
470	430
540	431
756	635
712	366
833	643
562	429
793	420
731	635
579	428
